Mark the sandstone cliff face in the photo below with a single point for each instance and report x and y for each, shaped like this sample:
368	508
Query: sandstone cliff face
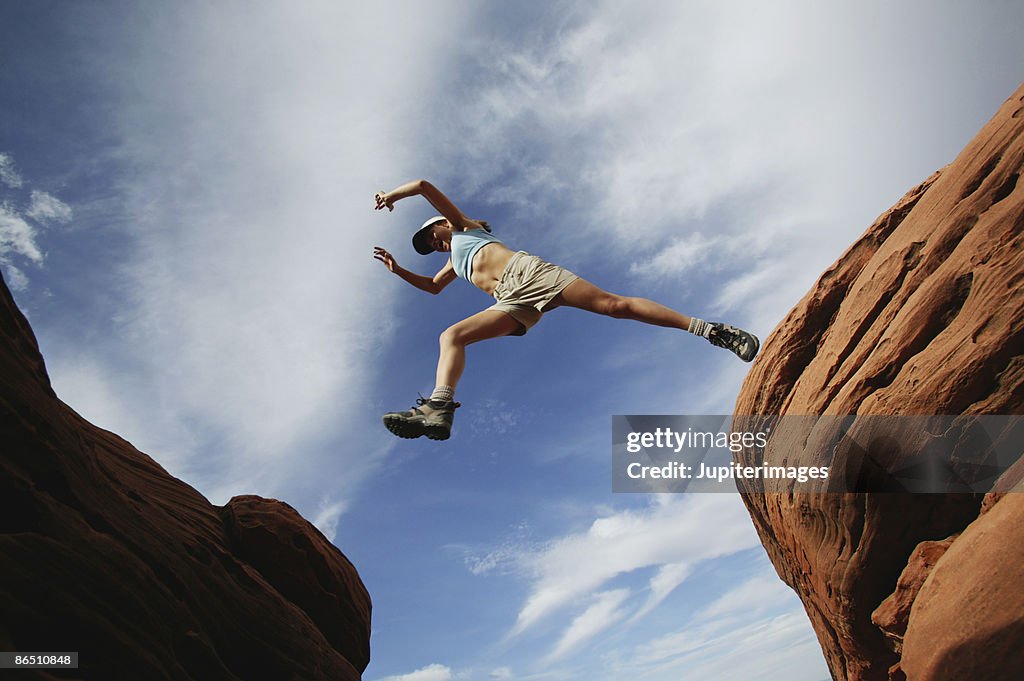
923	315
102	552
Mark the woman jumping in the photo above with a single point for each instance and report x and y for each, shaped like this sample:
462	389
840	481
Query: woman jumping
524	286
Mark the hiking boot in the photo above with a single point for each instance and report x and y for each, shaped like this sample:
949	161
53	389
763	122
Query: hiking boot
432	418
744	344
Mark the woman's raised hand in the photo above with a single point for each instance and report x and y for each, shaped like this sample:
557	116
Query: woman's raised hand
385	257
382	201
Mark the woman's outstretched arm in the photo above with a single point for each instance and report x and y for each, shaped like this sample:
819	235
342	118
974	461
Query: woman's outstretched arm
444	277
437	199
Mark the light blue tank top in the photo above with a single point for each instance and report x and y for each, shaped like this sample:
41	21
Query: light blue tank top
464	247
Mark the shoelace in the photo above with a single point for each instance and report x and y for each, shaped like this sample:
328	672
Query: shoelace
725	339
421	400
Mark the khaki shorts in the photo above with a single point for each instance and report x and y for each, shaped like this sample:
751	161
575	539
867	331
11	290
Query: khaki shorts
526	286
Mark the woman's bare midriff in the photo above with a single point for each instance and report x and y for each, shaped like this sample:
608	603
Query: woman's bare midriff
489	264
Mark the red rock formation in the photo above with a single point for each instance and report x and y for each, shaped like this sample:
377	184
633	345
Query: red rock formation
894	612
924	314
103	553
968	620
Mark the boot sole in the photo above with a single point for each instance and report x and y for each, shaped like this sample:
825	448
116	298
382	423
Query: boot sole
403	428
438	433
410	430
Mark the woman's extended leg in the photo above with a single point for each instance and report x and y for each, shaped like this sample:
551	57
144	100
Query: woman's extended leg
585	296
433	417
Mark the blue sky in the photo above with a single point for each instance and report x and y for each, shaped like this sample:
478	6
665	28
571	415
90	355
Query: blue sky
186	217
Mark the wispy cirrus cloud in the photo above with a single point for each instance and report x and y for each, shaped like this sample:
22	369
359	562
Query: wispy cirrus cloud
756	629
775	647
9	174
758	595
666	535
47	208
432	672
604	611
588	583
326	520
662	584
22	221
17	236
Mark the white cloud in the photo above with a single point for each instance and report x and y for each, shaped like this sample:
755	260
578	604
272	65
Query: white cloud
688	253
501	557
755	630
500	673
751	135
20	236
94	391
662	585
642	153
774	648
669	532
255	310
505	557
48	208
753	284
16	279
8	174
327	519
433	672
17	236
761	593
701	255
601	614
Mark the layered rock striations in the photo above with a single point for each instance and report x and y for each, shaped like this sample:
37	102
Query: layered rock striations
103	553
924	314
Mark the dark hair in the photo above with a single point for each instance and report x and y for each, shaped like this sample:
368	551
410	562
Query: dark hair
486	225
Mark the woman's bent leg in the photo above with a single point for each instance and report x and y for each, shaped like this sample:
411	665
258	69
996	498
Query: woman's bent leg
453	341
433	417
